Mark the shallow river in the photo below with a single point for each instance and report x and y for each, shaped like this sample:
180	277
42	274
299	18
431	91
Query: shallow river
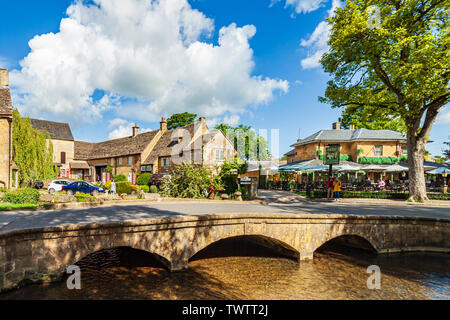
240	270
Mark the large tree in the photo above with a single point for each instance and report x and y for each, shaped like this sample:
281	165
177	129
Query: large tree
178	120
447	151
248	144
398	63
32	152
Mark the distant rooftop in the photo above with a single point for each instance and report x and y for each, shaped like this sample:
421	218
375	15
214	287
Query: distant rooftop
352	135
57	130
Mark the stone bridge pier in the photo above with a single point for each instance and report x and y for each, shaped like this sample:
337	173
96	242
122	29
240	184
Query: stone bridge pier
43	254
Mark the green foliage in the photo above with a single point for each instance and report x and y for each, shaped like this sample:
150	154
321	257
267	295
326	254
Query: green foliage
143	179
403	158
120	178
22	196
109	169
154	189
84	197
228	180
145	188
395	73
247	143
31	154
378	160
180	120
244	192
124	187
10	207
187	181
447	151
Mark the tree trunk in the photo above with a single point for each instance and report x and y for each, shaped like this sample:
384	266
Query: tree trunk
416	152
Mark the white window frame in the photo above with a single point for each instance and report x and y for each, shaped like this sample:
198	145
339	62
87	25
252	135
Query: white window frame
130	161
377	151
165	162
220	155
120	161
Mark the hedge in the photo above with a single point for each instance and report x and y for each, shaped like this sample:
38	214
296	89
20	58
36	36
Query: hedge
145	188
153	189
22	196
378	160
120	178
377	195
143	179
84	197
123	187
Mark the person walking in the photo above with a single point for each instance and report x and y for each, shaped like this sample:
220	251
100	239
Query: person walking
337	184
113	188
330	188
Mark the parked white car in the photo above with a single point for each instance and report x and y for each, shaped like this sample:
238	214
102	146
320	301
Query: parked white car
56	185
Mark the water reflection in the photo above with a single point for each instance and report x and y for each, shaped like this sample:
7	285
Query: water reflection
240	269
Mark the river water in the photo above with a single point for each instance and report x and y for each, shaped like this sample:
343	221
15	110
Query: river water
237	270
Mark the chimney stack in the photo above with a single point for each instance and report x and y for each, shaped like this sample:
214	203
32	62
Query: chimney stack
337	126
135	130
163	124
4	78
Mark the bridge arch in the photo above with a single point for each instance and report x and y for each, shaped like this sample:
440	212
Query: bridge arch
353	240
277	246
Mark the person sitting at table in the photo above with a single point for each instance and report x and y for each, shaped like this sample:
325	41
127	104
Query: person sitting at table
381	183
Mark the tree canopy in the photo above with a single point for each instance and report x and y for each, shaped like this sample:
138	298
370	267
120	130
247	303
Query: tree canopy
178	120
32	152
247	143
392	71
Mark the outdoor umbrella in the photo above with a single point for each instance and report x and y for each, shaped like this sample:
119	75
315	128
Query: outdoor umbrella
347	167
439	170
396	168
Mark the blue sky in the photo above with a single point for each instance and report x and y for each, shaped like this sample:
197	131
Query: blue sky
269	88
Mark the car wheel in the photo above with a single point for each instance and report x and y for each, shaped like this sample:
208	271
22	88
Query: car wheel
51	191
70	192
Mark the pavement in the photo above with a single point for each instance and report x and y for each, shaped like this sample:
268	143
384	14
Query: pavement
277	202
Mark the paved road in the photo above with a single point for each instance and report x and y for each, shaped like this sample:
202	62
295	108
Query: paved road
279	202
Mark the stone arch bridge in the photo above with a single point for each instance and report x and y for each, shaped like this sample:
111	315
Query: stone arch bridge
44	253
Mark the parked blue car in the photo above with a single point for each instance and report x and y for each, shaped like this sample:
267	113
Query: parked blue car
82	187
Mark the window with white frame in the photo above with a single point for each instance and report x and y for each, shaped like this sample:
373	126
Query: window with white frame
220	155
165	162
130	161
112	162
120	161
404	150
378	151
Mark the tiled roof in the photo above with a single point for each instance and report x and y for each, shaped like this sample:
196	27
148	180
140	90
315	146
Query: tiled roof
163	147
352	135
290	153
114	148
57	130
5	101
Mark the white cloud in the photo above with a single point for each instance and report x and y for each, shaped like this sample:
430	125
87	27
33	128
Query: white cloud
317	43
443	116
121	128
146	58
4	63
302	6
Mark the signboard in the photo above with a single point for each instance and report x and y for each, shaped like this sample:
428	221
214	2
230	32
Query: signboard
332	154
245	180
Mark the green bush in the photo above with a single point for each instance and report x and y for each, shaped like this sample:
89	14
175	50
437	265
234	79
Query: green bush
10	206
378	160
187	181
120	178
143	179
145	188
228	180
123	187
154	189
84	197
22	196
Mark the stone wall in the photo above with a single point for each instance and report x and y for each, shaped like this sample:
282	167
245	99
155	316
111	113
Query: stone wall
5	149
39	254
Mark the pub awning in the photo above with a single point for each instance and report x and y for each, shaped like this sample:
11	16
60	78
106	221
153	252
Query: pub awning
79	165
